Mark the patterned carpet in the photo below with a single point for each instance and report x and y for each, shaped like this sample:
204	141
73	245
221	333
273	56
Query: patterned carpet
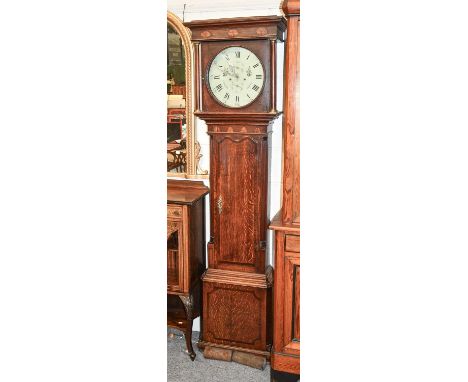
181	369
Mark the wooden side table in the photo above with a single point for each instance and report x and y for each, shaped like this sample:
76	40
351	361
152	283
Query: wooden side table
185	254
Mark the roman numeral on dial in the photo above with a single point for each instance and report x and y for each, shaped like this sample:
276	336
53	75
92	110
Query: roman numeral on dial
255	65
216	77
258	76
226	96
238	54
219	87
255	87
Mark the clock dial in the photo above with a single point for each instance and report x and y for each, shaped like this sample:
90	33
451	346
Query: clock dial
236	77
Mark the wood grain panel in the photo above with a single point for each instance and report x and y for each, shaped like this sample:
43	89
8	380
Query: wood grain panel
238	231
234	315
291	306
292	243
296	317
174	211
291	121
260	27
239	211
197	241
181	192
296	194
286	363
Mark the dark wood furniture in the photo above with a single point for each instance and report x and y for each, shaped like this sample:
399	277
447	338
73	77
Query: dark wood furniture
176	160
177	156
285	357
185	254
174	111
237	284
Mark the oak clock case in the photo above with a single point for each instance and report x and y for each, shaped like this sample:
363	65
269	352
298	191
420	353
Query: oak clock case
237	285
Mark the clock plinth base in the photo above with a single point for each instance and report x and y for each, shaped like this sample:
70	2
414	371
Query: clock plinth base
236	311
202	345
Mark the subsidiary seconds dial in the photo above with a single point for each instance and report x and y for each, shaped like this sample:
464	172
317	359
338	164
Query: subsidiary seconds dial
236	77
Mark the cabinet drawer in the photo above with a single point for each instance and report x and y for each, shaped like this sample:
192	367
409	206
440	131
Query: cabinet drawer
174	211
292	243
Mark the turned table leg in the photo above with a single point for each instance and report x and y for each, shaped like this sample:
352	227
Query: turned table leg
188	306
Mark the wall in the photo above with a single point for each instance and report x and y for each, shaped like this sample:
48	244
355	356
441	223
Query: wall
203	9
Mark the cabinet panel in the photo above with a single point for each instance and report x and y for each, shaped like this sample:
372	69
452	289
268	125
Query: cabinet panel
174	211
175	256
236	197
291	333
292	243
234	315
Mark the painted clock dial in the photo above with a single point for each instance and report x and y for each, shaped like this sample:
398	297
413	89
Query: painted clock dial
235	77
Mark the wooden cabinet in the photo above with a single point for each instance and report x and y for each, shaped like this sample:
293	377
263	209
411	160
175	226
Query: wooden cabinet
285	357
237	284
286	308
185	254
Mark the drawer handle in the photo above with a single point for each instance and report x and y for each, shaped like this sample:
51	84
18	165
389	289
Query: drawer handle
220	204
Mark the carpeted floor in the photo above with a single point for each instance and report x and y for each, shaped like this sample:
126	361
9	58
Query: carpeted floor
181	369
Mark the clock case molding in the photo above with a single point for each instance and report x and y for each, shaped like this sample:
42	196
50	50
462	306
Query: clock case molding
237	285
258	34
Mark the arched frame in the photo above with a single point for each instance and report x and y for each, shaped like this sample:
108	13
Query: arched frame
193	147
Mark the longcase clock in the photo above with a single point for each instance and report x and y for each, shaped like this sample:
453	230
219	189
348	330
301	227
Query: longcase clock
235	85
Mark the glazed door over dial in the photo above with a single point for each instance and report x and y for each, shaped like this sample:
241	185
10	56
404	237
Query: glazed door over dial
236	77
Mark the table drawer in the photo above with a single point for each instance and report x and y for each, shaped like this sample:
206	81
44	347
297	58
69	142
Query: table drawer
292	243
174	211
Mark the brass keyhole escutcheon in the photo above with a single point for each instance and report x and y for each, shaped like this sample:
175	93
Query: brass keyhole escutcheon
220	204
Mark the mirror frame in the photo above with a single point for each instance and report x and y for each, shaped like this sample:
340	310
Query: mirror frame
193	147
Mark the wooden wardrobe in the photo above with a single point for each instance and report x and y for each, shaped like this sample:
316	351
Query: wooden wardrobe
285	356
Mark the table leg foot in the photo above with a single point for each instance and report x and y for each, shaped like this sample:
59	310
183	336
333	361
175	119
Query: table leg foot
188	306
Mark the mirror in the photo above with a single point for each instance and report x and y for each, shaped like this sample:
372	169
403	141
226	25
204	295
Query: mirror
183	151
